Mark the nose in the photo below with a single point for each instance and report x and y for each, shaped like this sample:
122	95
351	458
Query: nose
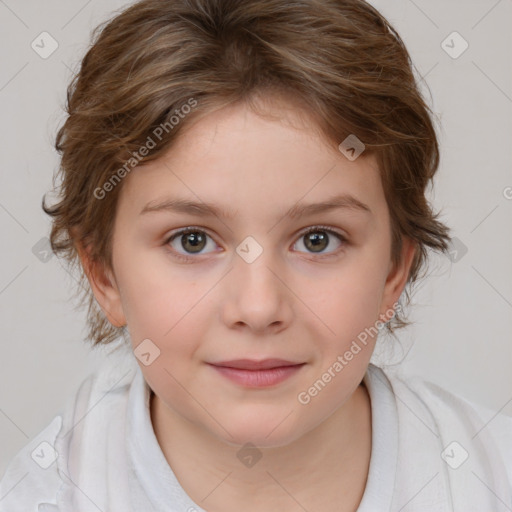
256	296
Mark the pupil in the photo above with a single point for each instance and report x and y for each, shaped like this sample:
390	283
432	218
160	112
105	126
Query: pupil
317	240
195	240
314	241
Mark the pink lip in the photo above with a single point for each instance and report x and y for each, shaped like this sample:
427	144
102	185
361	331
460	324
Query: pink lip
252	364
250	373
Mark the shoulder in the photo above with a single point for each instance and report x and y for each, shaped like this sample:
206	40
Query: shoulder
488	430
444	407
31	477
39	472
466	443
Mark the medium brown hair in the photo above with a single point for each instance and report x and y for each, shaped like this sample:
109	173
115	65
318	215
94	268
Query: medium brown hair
340	60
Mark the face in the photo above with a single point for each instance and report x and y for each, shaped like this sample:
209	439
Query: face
266	275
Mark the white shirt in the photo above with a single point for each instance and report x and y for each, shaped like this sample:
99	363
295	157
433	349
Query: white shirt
107	457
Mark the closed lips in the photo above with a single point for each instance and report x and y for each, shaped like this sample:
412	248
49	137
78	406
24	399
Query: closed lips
248	364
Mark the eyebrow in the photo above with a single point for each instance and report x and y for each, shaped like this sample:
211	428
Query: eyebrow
178	205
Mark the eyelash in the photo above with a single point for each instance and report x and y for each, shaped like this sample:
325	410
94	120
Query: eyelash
312	229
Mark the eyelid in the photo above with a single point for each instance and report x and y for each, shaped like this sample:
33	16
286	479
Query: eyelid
176	254
316	227
303	231
182	231
320	227
342	237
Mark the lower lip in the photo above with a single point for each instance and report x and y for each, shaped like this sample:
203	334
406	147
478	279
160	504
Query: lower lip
259	378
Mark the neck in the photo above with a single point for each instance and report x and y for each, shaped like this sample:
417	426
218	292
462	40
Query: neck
326	468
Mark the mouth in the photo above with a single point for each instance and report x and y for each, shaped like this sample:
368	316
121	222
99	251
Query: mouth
257	374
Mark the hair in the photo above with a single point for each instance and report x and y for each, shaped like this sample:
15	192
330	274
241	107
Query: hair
338	60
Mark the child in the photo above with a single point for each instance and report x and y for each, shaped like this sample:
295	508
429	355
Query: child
288	143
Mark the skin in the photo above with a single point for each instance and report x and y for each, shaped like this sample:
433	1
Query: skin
291	303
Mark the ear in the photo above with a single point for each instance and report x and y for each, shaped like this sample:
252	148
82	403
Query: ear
398	275
104	287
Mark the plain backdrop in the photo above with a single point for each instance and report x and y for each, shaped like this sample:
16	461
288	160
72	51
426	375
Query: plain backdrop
461	338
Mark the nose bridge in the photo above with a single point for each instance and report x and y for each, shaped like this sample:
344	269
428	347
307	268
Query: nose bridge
252	265
257	295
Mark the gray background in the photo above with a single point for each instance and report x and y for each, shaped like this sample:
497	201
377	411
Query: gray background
463	312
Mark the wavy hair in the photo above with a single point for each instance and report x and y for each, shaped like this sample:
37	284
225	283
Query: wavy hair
339	60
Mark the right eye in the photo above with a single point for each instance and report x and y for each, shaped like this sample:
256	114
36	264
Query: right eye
191	240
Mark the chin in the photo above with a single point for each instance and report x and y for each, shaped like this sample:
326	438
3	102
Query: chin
264	431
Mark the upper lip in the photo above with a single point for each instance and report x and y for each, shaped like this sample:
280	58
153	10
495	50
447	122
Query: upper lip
252	364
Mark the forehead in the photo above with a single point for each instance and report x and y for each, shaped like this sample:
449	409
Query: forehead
246	161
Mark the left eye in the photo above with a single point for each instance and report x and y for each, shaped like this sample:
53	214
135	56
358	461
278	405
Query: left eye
317	239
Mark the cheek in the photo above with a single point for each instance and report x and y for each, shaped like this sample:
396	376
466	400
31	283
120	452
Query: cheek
350	301
167	312
159	304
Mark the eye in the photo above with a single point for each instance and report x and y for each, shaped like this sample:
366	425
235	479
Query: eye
191	240
317	238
